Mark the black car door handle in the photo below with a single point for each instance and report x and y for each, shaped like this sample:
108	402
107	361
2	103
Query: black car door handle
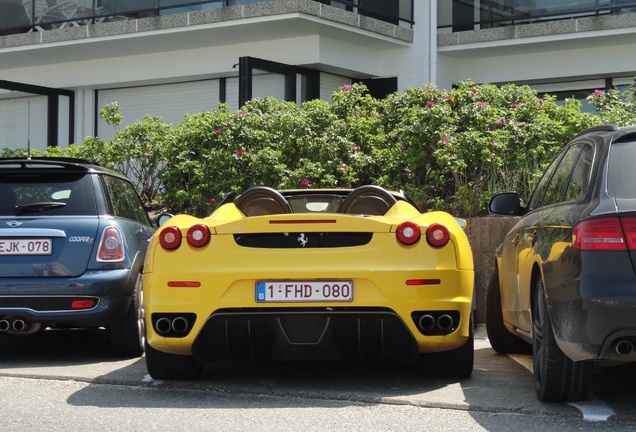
531	239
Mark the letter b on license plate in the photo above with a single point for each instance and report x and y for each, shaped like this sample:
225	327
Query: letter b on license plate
304	291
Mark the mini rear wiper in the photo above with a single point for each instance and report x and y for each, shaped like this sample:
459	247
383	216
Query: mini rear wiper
37	207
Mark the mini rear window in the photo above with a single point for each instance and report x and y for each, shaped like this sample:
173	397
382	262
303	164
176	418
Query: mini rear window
621	171
42	194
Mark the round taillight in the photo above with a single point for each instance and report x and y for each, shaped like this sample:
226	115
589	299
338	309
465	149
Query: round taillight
437	235
198	235
408	233
170	237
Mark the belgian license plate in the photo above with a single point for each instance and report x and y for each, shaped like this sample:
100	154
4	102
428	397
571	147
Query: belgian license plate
304	291
26	246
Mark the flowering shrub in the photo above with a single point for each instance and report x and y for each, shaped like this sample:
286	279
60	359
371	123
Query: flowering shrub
449	149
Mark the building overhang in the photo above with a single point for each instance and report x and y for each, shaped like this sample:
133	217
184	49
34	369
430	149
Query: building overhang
218	27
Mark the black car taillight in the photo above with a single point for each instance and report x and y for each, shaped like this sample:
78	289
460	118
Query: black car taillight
111	246
605	234
170	238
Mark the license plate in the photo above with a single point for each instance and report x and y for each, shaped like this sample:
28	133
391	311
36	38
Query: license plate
26	247
304	291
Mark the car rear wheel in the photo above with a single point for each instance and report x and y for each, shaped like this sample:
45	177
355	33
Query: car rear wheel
556	377
499	337
126	339
454	363
162	365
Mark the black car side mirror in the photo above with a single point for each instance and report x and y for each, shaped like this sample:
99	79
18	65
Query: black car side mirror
506	203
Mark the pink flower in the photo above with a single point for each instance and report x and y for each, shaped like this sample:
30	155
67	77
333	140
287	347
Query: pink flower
354	149
474	91
500	120
149	155
217	131
513	106
241	113
449	101
212	200
598	92
444	140
429	90
239	153
304	182
430	103
480	104
540	101
346	86
342	125
344	166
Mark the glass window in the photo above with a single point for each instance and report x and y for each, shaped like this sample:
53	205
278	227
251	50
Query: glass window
580	179
621	171
47	194
539	191
125	201
555	189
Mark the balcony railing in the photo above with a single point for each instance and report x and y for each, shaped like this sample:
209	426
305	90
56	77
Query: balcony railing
463	15
20	16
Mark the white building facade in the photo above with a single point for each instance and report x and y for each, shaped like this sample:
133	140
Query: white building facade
62	61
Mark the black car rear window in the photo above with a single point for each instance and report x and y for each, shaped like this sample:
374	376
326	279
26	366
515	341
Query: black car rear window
621	170
46	194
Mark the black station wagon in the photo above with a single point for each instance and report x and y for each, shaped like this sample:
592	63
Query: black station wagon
565	280
73	238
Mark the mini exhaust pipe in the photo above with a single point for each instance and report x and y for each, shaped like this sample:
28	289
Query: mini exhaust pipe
624	347
5	325
427	322
445	322
19	325
180	325
163	325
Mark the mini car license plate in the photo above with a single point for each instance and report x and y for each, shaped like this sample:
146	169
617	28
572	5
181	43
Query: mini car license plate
304	291
26	246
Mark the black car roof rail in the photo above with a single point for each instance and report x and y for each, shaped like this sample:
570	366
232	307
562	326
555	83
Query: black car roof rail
600	128
52	160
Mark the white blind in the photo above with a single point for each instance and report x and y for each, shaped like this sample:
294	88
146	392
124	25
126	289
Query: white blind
170	102
14	122
330	83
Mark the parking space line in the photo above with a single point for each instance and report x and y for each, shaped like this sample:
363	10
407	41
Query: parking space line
593	410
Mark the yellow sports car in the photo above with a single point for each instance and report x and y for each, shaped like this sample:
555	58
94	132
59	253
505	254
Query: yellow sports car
322	274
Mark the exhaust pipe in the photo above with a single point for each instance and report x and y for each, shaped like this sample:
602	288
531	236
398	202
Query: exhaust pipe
427	322
19	325
180	325
5	325
445	322
163	325
624	347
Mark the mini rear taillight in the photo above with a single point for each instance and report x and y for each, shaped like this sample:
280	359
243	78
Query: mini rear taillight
437	235
408	233
111	247
605	234
170	238
198	235
82	304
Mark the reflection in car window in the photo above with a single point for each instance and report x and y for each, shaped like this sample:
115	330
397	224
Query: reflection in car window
126	202
539	191
556	186
63	194
621	172
579	181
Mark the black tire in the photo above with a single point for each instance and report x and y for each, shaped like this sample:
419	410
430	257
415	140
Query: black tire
127	338
556	377
499	337
456	363
162	365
